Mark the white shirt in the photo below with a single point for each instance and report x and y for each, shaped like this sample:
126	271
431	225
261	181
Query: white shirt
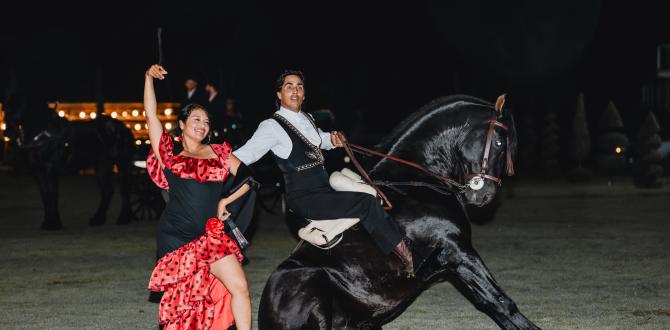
271	136
189	94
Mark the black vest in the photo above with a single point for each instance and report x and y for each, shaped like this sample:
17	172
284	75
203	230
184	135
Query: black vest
303	169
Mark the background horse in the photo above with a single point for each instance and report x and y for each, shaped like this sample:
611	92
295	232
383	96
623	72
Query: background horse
354	285
51	144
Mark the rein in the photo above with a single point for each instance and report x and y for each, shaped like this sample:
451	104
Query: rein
350	148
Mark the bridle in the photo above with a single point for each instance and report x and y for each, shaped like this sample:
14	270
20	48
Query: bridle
474	181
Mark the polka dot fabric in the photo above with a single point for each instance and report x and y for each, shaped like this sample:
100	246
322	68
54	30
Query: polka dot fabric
201	170
193	298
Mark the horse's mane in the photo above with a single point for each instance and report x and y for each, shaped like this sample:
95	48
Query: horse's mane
430	109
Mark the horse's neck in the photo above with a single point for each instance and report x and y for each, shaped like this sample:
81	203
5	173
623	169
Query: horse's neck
436	153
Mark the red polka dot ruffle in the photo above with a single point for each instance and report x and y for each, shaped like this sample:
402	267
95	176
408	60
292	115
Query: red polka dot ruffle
201	170
193	297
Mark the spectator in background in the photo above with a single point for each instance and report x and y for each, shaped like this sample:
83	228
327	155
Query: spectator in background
216	104
192	93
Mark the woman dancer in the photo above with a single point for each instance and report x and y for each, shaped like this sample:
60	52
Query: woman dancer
199	267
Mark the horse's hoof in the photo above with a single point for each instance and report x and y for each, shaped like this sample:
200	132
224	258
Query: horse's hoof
123	221
51	226
96	222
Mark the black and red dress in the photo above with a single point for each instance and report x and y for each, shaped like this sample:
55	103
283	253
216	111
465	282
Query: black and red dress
190	238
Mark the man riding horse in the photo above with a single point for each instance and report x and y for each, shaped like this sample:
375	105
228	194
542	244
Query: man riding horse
296	143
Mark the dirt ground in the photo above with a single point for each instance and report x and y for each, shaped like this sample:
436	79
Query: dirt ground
572	257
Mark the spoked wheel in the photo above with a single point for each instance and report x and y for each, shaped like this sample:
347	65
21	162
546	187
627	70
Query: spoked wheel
146	201
271	199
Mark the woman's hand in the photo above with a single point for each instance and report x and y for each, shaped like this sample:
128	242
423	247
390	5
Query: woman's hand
156	71
221	211
337	139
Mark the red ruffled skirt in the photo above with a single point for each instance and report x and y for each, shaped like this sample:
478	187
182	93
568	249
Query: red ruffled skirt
193	298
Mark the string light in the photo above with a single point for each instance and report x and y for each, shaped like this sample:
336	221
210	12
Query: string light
3	126
61	113
138	142
82	115
124	114
138	127
135	113
167	111
93	115
168	126
114	114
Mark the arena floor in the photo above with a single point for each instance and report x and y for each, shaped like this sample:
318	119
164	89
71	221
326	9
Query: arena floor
572	257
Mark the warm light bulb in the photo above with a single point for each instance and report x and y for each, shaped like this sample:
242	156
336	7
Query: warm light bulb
167	111
135	113
138	142
168	126
6	139
124	114
93	115
138	127
61	113
618	150
147	142
114	114
3	126
82	115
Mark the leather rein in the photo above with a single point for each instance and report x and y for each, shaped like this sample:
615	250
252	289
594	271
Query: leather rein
474	181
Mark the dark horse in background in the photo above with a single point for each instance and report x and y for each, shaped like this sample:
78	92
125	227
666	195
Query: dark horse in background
354	285
51	144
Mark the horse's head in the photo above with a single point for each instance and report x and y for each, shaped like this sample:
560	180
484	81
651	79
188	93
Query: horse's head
25	117
460	138
487	150
13	107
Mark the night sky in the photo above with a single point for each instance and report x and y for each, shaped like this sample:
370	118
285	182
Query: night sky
384	60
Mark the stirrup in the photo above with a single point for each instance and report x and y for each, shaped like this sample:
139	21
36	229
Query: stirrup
325	234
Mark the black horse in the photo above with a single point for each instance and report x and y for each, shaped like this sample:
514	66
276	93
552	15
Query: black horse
354	285
51	144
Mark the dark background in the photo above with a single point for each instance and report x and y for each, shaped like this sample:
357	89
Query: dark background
384	60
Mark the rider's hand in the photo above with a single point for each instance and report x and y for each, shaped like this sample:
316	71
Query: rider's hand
221	211
156	71
336	139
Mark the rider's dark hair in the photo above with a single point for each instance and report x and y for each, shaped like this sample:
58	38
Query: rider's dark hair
280	80
186	111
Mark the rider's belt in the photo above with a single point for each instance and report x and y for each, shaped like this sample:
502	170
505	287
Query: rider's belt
313	178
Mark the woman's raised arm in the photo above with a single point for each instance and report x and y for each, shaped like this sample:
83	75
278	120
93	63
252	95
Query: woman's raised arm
153	123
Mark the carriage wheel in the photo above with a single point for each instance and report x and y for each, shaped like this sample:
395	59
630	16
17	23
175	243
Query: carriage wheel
146	201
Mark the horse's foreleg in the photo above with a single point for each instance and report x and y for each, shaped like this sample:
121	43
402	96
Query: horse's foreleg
473	279
126	215
47	178
103	175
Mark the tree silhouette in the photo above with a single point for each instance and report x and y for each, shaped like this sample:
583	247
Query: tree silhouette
612	143
549	145
580	142
647	167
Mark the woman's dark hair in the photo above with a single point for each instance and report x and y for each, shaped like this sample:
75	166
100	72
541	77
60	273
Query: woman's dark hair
280	80
185	112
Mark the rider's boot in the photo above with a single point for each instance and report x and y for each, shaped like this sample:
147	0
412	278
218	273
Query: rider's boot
403	252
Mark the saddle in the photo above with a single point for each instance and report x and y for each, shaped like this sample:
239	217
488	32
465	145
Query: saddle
325	234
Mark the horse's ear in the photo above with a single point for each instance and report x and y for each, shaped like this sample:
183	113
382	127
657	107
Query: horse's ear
499	104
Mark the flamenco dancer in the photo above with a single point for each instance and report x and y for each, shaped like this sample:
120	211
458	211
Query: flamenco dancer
296	143
199	267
